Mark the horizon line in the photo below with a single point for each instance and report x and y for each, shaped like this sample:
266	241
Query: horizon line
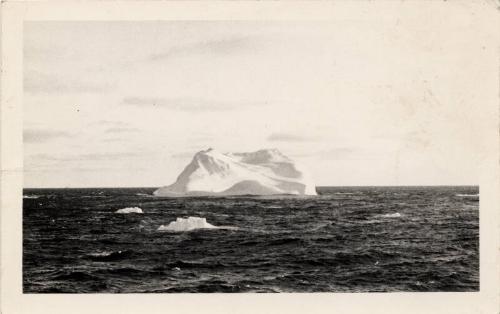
317	186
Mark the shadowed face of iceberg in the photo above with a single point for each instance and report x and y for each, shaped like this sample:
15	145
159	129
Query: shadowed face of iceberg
263	156
249	187
264	172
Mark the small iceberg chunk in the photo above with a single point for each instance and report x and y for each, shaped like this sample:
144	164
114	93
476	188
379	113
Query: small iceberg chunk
130	210
187	224
191	223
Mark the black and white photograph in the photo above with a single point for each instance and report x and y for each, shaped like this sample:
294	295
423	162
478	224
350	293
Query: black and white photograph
241	156
250	157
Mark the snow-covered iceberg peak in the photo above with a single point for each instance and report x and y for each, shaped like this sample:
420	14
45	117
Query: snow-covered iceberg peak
264	172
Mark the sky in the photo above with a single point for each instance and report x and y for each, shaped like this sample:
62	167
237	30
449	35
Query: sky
380	102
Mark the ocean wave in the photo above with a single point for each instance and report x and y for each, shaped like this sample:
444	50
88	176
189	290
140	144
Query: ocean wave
130	210
285	241
75	276
108	256
371	221
99	254
313	245
183	264
468	195
393	215
191	223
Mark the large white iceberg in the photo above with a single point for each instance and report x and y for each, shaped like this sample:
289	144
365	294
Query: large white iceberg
264	172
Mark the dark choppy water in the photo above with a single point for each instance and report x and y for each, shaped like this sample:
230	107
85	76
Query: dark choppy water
345	240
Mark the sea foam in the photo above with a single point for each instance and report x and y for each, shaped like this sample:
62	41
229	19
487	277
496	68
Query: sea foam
129	210
31	196
395	215
468	195
190	223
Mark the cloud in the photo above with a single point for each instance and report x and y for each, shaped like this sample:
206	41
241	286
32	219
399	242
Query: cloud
220	46
113	140
339	153
38	82
342	153
83	157
108	156
200	137
121	130
113	127
189	104
39	135
287	137
416	139
110	123
183	155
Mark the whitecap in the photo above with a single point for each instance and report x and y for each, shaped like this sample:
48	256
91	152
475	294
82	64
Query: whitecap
370	221
31	196
321	226
102	254
468	195
394	215
191	223
129	210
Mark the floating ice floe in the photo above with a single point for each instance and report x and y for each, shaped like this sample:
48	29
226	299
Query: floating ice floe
191	223
129	210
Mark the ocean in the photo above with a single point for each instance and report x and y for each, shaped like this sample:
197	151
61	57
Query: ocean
346	239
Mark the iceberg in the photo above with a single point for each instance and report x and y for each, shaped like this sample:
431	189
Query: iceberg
187	224
264	172
129	210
